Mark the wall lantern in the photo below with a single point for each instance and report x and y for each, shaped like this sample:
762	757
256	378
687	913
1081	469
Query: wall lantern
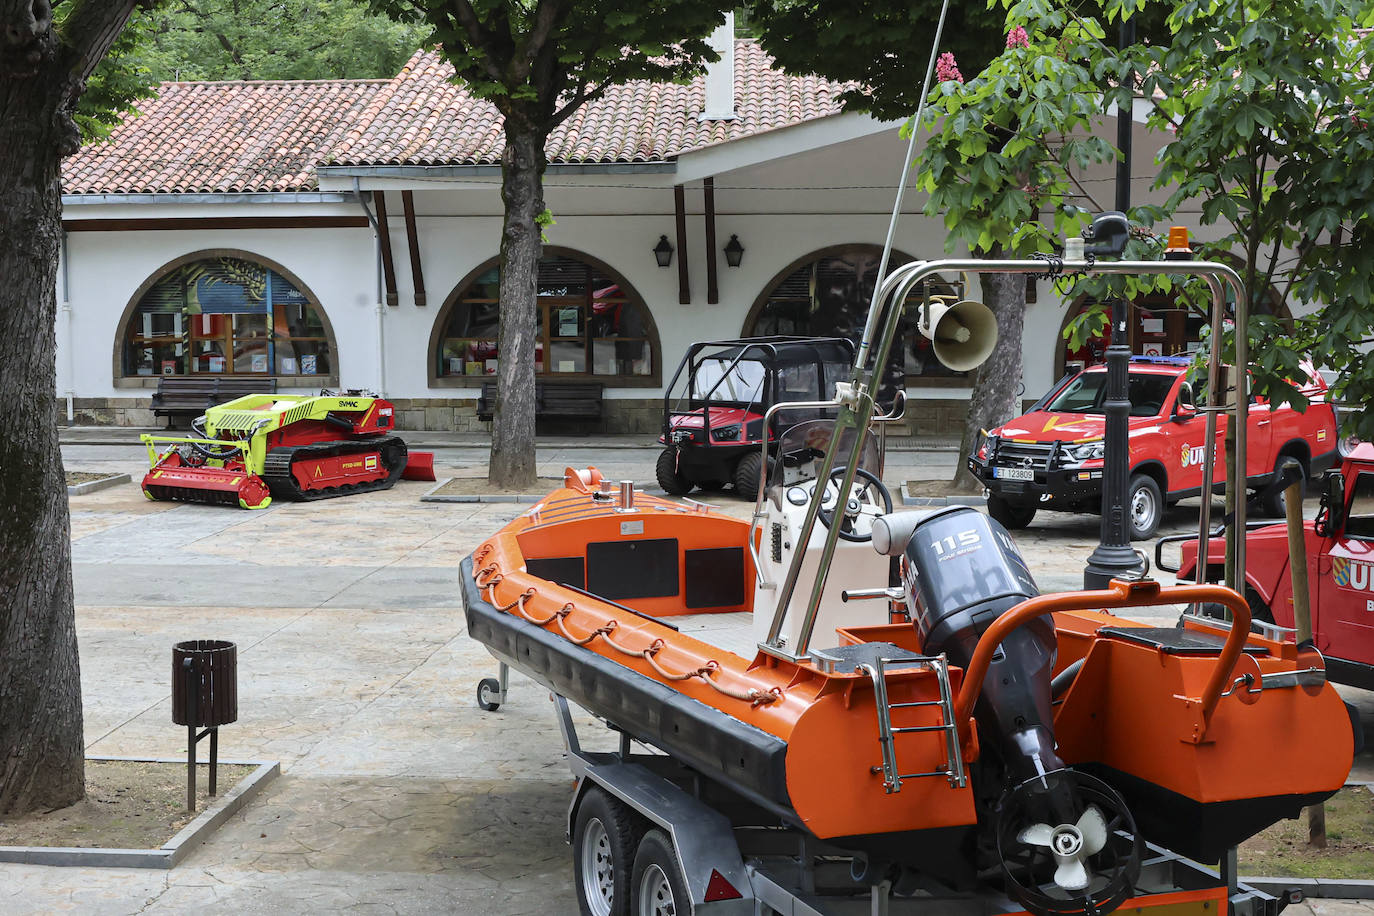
663	252
734	251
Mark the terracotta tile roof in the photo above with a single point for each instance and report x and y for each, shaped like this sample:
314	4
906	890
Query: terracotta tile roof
223	137
270	136
421	118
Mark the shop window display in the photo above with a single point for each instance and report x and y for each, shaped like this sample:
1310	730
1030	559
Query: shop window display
225	316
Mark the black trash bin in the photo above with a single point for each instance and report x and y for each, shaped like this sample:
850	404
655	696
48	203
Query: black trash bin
205	695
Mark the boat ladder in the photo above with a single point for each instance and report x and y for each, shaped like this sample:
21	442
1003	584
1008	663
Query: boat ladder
953	770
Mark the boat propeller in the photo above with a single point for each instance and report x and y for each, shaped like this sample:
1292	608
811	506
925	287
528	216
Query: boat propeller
1068	845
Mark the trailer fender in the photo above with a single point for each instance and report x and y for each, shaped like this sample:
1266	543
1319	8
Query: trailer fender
702	837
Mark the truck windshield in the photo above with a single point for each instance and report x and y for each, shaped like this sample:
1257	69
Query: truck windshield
1359	521
1086	392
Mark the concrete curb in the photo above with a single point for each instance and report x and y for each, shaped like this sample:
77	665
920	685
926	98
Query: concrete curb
432	495
1325	888
171	852
104	483
909	500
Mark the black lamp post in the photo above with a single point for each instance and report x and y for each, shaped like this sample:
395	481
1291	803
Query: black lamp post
1113	557
734	251
663	252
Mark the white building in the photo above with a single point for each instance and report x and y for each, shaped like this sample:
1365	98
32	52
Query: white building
346	233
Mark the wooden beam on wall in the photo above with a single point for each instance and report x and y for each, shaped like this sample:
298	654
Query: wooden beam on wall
712	287
384	237
684	289
413	239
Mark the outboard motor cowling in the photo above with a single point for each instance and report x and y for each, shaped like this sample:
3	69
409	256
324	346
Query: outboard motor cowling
961	572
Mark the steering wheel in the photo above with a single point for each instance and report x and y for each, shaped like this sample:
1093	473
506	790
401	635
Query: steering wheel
867	500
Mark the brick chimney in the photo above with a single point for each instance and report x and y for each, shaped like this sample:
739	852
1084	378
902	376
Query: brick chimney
720	76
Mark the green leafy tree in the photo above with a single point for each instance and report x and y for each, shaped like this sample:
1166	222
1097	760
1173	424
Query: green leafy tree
274	40
1268	105
48	53
538	62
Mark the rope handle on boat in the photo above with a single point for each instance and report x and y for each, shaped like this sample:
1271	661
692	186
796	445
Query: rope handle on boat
488	578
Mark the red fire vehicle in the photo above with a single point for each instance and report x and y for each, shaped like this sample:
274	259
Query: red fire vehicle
1051	458
1340	570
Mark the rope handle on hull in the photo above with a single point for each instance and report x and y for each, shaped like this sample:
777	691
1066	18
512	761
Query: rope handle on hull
489	577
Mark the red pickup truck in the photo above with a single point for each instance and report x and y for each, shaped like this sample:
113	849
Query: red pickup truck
1051	458
1340	570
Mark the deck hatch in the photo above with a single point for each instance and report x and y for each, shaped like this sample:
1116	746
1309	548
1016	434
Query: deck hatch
715	577
622	570
563	570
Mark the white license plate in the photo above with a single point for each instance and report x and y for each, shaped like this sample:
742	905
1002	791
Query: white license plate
1013	473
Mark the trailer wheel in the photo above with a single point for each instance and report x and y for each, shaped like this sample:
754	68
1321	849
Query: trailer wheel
604	835
659	886
670	479
487	688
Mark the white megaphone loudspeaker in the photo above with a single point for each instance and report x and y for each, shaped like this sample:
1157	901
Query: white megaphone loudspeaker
962	334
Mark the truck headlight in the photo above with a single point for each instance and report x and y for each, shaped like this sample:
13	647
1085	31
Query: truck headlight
1086	451
984	445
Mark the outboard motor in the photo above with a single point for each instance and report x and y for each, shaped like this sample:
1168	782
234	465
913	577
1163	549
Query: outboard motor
1066	840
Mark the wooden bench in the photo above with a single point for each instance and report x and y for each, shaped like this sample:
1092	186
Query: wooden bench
191	397
552	400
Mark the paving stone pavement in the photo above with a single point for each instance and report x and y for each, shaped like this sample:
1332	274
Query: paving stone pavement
398	795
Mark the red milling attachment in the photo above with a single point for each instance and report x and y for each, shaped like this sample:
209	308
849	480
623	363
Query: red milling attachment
231	485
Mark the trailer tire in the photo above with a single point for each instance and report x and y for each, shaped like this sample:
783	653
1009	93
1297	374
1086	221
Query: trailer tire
604	838
670	479
659	885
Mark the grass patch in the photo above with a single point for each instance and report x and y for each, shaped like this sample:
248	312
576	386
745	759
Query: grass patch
1282	850
76	477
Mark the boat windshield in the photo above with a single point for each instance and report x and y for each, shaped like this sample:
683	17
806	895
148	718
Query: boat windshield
802	448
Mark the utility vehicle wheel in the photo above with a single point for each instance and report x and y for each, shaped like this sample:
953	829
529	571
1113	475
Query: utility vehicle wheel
488	689
659	886
669	478
747	475
604	836
1011	517
1275	505
1144	506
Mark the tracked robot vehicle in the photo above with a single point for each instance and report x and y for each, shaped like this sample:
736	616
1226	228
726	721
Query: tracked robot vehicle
838	708
253	449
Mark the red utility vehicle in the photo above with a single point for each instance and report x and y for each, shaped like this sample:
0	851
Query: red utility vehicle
714	407
1051	458
1340	570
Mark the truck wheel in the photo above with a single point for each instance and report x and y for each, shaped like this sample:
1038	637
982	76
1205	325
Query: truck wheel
1144	506
1275	505
669	478
604	838
747	475
659	887
1011	517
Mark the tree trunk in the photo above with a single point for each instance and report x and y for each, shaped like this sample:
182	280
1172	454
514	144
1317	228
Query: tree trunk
512	463
41	752
996	394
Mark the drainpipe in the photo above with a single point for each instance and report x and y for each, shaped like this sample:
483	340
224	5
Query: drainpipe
69	360
381	303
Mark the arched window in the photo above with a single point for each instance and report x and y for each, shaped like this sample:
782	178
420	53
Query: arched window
589	324
828	293
226	315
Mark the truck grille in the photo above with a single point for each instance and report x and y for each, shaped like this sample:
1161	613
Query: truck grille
1015	455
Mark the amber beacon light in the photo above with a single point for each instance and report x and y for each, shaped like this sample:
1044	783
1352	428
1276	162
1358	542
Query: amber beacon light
1178	248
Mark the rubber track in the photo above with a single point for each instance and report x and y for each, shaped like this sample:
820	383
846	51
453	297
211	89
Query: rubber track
279	479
